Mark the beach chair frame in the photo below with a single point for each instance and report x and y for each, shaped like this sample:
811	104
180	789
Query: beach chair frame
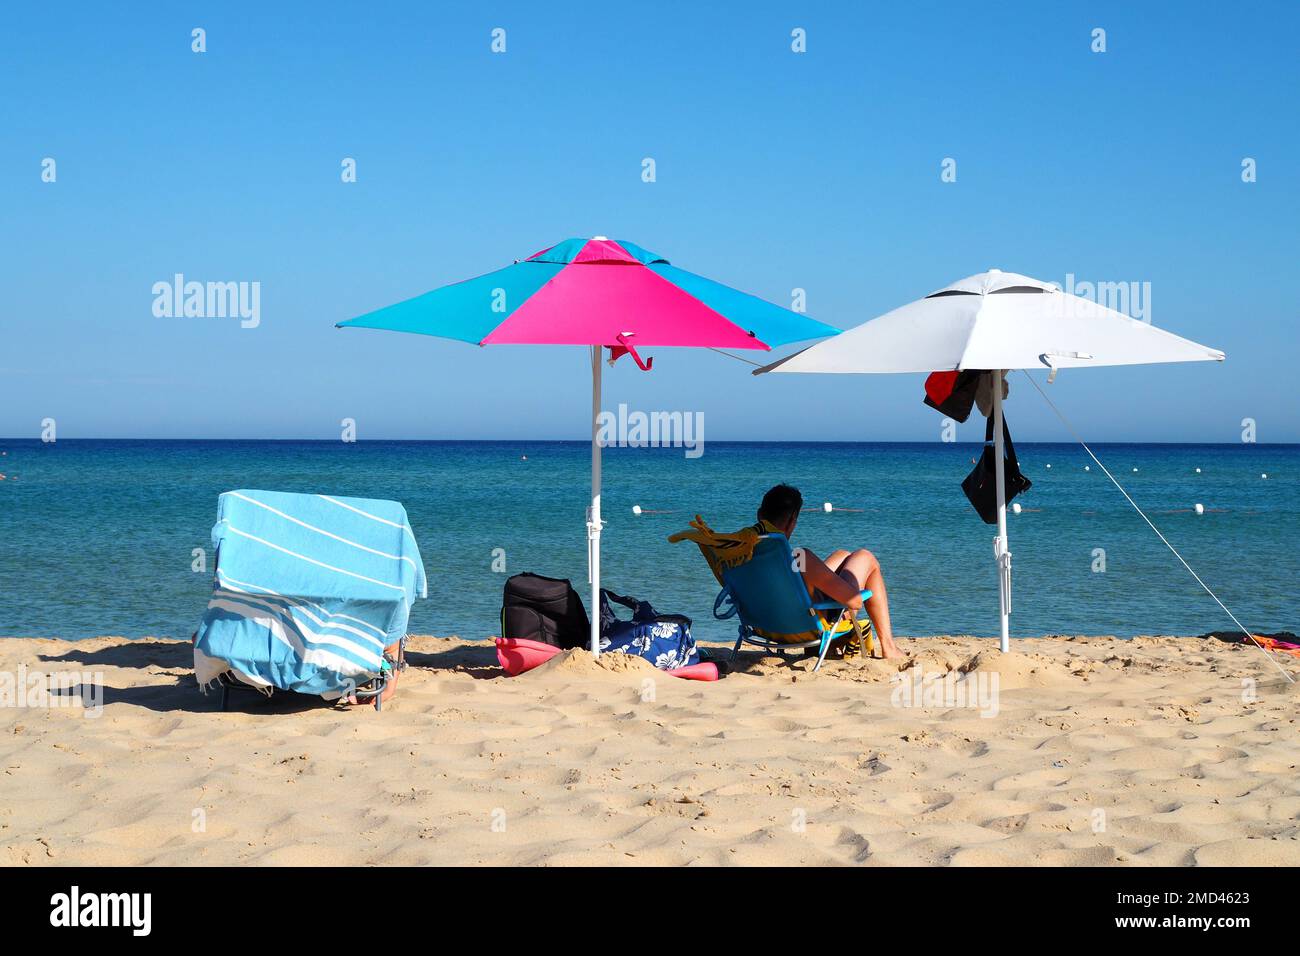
771	596
230	682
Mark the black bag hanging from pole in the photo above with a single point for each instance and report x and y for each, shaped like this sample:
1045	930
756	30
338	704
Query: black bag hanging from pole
981	484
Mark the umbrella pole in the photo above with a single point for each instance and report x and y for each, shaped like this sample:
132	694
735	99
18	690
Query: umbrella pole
1000	551
593	512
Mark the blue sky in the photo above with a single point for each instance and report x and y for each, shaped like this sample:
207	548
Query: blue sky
775	170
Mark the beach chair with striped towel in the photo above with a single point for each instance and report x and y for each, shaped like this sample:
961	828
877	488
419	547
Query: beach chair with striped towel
768	594
311	594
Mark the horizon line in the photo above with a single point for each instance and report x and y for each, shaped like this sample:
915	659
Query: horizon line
586	442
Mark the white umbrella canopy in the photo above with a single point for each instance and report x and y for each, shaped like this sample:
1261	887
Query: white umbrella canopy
995	321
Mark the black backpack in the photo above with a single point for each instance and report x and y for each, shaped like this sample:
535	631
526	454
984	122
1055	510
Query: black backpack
538	608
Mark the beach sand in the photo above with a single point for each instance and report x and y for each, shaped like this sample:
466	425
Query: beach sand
1101	751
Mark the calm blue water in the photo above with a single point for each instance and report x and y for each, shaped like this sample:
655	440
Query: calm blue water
96	537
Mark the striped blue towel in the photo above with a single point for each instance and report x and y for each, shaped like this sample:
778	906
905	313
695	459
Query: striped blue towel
309	590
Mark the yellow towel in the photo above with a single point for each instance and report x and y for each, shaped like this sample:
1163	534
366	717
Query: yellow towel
722	549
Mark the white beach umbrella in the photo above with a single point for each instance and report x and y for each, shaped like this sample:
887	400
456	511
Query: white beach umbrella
996	321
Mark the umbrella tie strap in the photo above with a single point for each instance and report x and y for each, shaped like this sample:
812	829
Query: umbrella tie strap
1206	587
1047	357
625	347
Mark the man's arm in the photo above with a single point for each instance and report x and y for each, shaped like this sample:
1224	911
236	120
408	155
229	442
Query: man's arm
817	575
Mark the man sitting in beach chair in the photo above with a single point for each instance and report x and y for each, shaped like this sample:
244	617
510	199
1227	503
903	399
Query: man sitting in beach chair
774	589
842	577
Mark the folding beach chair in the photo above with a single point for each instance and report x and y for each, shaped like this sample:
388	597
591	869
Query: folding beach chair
776	613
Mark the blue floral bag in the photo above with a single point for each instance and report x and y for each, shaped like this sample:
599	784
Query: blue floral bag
662	639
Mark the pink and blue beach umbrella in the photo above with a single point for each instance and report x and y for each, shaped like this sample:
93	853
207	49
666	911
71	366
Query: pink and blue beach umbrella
599	293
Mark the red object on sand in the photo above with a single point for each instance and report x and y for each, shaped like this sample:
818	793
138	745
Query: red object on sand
516	655
703	671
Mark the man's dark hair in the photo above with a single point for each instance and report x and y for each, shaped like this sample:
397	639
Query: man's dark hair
780	504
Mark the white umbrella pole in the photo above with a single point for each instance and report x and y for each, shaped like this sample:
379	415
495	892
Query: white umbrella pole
1000	551
593	513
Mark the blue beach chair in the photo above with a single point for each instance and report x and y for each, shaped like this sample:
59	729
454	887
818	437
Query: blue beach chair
775	610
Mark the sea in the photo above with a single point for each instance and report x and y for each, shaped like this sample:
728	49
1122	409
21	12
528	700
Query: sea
113	537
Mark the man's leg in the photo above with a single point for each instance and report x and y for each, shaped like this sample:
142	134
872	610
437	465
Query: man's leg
807	560
862	570
836	558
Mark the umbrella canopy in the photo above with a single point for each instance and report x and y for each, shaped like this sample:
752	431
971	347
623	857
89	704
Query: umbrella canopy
996	321
600	293
596	292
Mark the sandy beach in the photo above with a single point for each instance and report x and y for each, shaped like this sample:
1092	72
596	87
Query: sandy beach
1080	751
